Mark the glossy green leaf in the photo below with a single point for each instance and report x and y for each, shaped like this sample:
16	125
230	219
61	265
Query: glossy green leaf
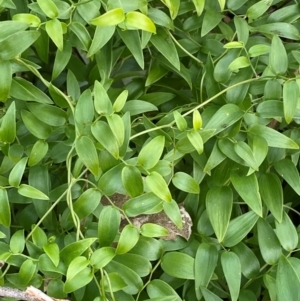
75	249
128	239
271	192
108	226
102	102
268	242
239	227
287	233
273	138
238	63
38	152
52	251
153	230
16	173
49	8
116	124
27	271
290	99
143	204
112	282
287	281
185	183
31	19
17	242
140	21
158	186
178	265
209	295
260	149
232	270
199	5
5	79
87	202
111	181
247	188
258	50
120	101
244	151
258	9
180	121
87	153
164	44
173	6
136	107
82	34
132	181
5	217
215	158
31	192
55	32
103	133
17	43
84	110
8	125
110	18
210	20
101	257
289	172
249	263
278	58
242	29
62	58
173	212
196	140
219	205
234	44
205	263
160	289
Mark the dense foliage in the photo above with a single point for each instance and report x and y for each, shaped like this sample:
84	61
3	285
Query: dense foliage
164	102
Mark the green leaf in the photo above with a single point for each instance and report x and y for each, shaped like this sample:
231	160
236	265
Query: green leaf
87	153
110	18
205	263
62	58
173	212
52	251
105	136
232	270
238	228
180	121
38	152
287	281
49	8
271	192
84	110
5	217
164	44
278	58
132	181
208	295
151	152
8	125
238	63
210	21
199	5
234	44
136	107
140	21
82	34
258	50
173	6
31	192
108	226
116	124
185	183
17	43
120	101
87	202
158	288
17	242
219	202
111	181
16	173
247	188
268	242
142	204
102	102
242	29
273	138
178	265
153	230
55	32
287	233
27	271
5	79
249	262
113	282
196	140
128	239
75	249
244	151
32	20
227	115
290	99
158	186
258	9
101	257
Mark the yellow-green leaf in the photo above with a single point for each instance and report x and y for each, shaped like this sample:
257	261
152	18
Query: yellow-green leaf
110	18
140	21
